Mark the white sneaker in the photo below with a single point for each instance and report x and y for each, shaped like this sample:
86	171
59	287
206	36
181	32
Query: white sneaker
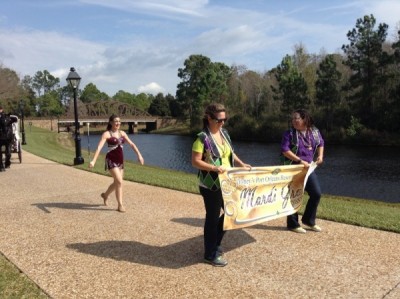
299	230
314	228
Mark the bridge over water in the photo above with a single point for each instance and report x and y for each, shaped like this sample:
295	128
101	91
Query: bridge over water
150	123
96	113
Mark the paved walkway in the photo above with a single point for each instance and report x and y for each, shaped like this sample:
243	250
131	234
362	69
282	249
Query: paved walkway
54	228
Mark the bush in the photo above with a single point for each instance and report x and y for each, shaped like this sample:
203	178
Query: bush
242	128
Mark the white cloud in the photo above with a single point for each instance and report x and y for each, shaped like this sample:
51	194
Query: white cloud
31	50
152	88
236	40
156	7
110	68
385	11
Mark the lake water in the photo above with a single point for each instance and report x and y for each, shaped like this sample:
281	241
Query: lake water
363	172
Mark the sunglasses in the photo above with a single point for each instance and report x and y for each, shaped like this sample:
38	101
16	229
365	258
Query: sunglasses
219	120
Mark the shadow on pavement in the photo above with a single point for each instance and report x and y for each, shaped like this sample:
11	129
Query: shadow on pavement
199	222
71	206
267	227
172	256
196	222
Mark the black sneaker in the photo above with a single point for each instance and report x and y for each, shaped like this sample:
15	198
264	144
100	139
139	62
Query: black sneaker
218	261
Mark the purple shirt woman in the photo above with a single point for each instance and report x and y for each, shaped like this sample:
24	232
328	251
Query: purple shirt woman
301	145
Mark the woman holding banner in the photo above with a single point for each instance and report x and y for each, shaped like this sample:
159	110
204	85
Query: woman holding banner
300	144
212	153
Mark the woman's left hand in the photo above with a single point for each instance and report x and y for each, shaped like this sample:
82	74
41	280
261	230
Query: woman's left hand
140	159
319	160
248	166
221	169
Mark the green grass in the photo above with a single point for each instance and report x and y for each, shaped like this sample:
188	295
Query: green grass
59	147
178	129
360	212
15	284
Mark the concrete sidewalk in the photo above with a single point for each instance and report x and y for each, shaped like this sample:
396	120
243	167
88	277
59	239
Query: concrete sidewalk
54	227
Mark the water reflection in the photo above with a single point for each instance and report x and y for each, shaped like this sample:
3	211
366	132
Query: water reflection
364	172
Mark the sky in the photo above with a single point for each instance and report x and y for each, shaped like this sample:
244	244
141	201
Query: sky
139	45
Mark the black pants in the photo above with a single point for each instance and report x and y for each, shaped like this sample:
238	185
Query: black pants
213	225
5	147
8	154
310	213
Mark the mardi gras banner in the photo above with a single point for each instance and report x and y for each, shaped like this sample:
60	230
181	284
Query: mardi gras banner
262	193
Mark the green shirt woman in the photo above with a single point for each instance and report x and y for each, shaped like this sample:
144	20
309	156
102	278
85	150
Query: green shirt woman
212	153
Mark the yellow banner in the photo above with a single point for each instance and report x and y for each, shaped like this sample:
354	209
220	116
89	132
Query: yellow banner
262	193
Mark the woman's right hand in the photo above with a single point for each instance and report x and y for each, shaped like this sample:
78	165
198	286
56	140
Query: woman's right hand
140	159
305	163
91	164
220	169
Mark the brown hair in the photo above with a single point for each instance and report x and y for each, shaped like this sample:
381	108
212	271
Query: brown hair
110	120
210	111
308	120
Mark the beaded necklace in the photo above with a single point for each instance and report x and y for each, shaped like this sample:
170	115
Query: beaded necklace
306	138
222	146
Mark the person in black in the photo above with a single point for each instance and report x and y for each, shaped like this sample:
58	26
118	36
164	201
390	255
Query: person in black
6	136
212	153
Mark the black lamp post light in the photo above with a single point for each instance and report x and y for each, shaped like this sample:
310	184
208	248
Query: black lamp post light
74	80
22	125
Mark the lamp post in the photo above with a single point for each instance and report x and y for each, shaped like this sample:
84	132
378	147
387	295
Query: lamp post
22	125
74	80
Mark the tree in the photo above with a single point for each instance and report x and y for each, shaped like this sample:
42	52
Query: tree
123	96
236	99
292	89
11	91
251	92
202	82
391	109
366	59
142	101
49	104
174	106
159	106
307	65
44	82
328	88
91	94
189	90
218	77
